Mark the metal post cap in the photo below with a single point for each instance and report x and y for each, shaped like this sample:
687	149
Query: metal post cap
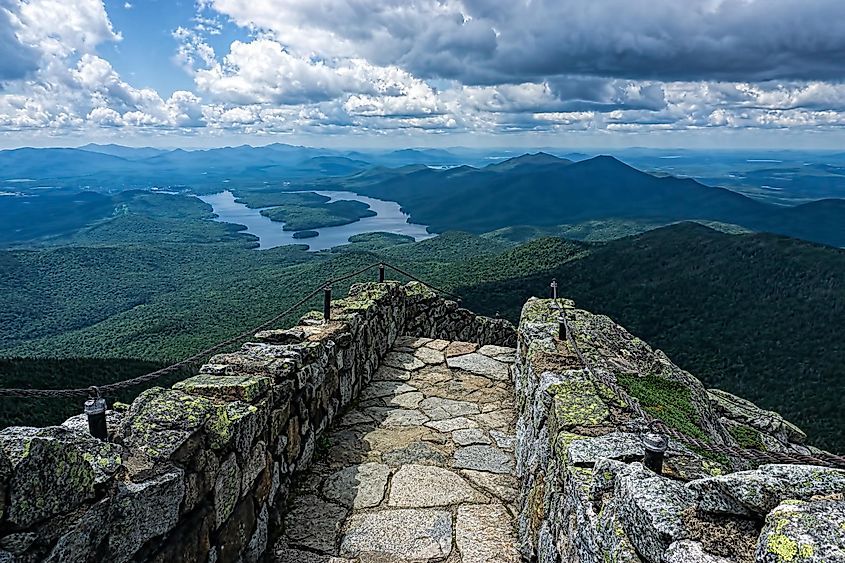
95	405
655	442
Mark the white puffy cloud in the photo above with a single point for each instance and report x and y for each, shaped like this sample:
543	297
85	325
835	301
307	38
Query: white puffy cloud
261	71
70	86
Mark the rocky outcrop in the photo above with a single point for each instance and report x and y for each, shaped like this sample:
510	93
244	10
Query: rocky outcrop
585	495
200	471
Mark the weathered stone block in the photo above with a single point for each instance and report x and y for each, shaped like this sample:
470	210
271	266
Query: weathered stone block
257	546
651	511
688	551
612	539
256	462
425	486
757	492
161	421
235	534
240	425
49	475
245	388
576	403
190	542
804	532
84	537
746	412
199	481
227	489
281	336
313	523
79	423
403	534
483	534
359	486
586	450
143	511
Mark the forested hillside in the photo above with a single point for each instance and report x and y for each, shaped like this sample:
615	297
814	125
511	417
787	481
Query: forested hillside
754	314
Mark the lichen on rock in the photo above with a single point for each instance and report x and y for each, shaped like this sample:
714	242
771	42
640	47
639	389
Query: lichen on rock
161	421
246	388
804	532
577	403
49	473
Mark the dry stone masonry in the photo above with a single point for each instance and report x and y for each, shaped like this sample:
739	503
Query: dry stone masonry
408	429
201	471
585	495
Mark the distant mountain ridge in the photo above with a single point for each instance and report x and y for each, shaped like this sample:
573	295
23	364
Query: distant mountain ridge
436	187
115	167
543	190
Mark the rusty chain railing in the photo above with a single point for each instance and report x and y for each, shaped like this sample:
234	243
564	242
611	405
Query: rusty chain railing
818	458
153	375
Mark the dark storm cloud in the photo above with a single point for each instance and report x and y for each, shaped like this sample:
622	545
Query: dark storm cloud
744	40
16	59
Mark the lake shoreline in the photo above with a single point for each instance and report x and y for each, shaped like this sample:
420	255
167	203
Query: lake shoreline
388	218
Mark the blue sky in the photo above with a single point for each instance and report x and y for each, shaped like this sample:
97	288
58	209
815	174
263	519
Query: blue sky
569	73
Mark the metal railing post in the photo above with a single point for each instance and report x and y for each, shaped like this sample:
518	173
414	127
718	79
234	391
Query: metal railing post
655	450
327	303
95	410
381	273
553	287
561	327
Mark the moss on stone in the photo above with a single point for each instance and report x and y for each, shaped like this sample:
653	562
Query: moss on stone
666	400
747	437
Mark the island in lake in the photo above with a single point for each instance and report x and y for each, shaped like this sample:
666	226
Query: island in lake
298	217
306	234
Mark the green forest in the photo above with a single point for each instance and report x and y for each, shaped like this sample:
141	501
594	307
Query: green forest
156	281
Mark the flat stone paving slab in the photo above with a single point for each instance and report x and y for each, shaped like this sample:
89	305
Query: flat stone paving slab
416	486
480	364
406	534
479	534
421	472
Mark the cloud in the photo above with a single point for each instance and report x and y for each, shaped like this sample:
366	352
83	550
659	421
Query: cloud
60	29
261	71
493	42
393	67
16	58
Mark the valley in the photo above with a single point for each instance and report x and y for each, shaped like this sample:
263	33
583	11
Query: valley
688	267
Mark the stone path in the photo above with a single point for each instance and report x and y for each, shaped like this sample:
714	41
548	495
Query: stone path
421	470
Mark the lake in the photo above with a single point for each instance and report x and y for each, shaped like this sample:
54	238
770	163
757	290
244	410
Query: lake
389	218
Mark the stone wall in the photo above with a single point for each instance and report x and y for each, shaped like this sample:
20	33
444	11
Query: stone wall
200	471
585	497
429	316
